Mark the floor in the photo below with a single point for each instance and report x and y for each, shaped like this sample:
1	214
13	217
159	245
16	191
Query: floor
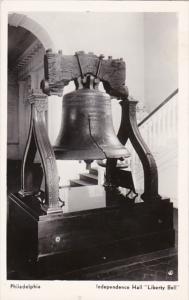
156	266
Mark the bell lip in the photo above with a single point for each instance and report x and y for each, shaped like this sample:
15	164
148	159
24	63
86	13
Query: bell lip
79	154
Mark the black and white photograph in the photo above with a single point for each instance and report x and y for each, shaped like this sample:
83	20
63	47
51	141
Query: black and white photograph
95	139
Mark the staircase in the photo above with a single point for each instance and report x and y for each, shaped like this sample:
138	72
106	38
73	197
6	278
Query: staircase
86	179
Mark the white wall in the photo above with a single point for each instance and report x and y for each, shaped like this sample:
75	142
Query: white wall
160	57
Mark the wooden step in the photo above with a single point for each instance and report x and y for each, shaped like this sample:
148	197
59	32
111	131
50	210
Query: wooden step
89	178
79	182
93	171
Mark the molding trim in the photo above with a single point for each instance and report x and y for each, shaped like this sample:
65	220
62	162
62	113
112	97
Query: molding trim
27	56
30	61
15	19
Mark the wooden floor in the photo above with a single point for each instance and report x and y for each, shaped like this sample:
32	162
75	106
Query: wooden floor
156	266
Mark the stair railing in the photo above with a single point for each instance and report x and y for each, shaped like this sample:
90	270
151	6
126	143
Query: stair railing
159	131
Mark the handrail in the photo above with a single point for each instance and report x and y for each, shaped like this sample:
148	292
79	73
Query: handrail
158	107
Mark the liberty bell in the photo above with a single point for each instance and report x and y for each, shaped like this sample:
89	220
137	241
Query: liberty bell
87	131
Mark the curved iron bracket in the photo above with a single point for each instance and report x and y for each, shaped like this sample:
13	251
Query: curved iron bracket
38	140
129	130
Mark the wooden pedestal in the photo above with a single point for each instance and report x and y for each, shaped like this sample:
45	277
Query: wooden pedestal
50	245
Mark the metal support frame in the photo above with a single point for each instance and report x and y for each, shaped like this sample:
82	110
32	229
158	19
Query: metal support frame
38	140
129	130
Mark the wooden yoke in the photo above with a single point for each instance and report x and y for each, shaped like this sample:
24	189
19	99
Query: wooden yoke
61	69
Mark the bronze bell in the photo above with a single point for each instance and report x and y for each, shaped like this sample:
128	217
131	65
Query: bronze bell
87	130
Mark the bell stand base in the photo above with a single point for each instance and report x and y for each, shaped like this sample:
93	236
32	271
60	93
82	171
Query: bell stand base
63	246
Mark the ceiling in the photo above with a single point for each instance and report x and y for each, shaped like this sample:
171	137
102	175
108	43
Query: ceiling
19	39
